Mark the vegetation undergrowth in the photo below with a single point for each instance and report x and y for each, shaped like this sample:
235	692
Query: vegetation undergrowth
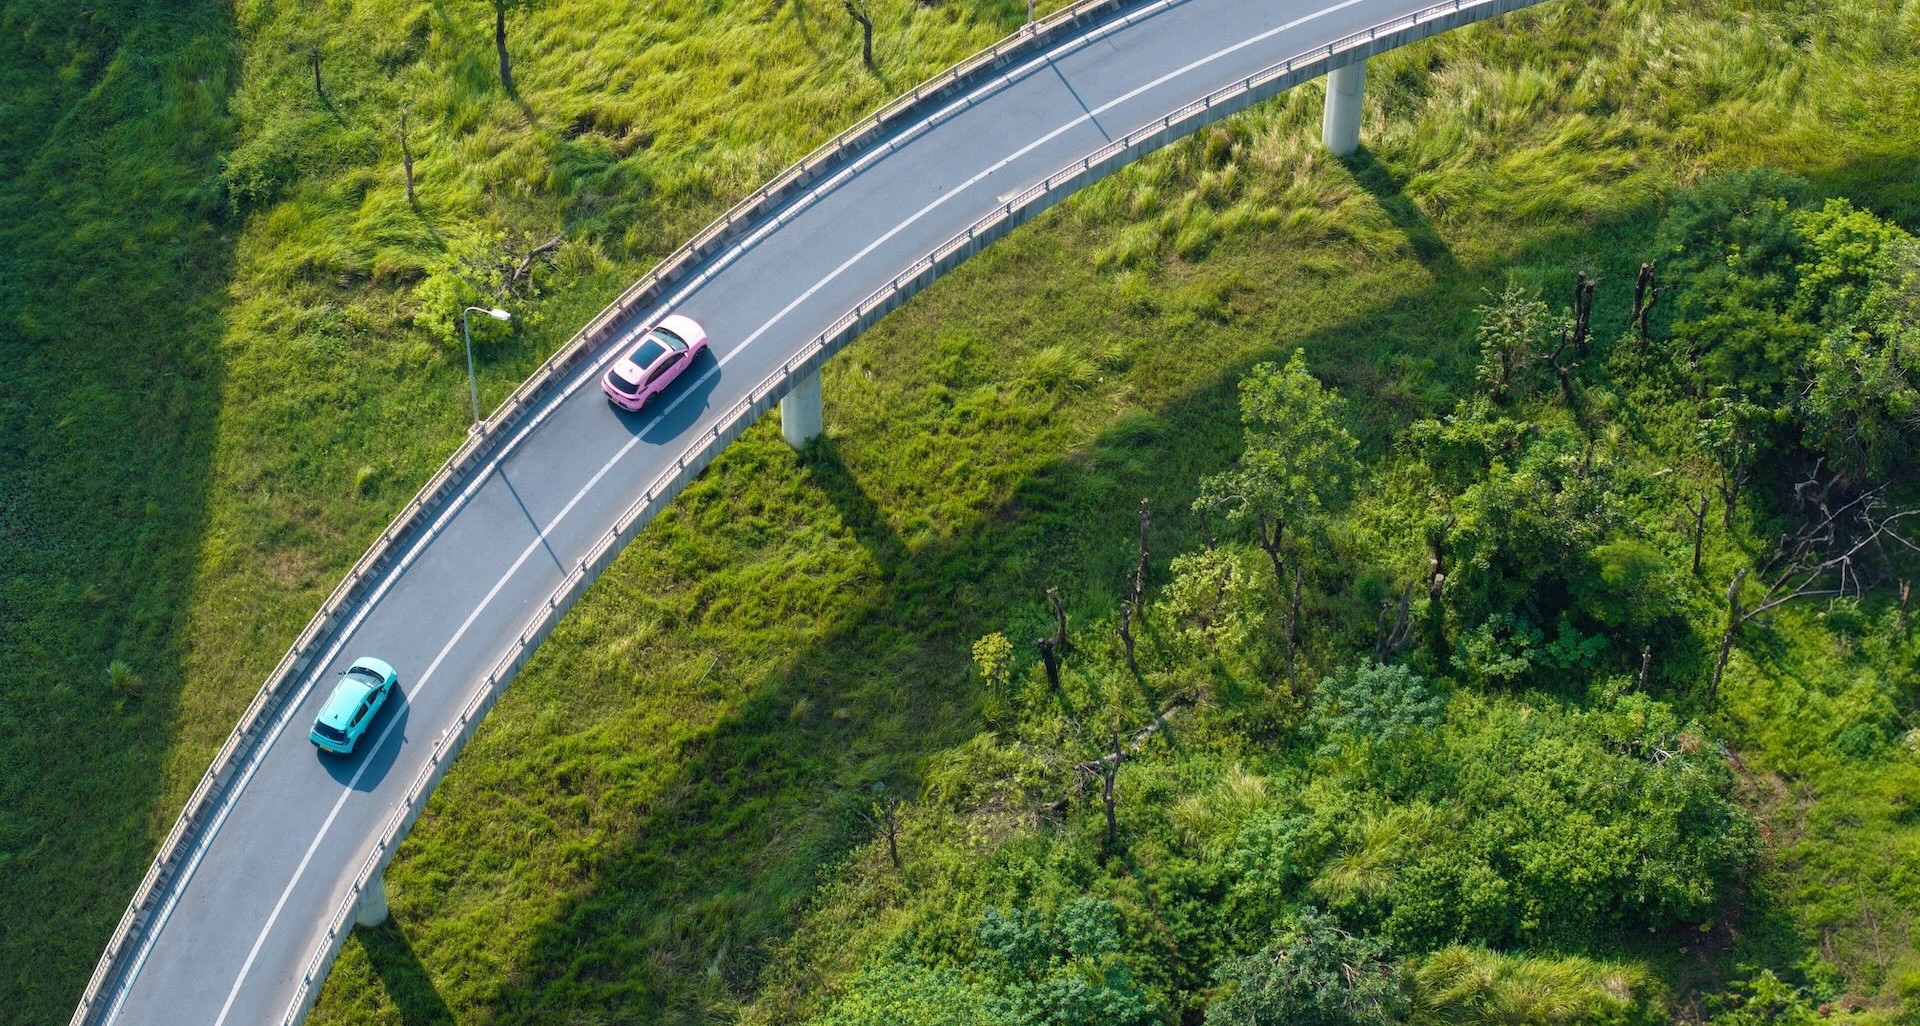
115	256
679	811
714	740
230	346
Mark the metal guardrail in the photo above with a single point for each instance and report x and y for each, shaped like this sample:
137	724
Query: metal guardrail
695	457
483	444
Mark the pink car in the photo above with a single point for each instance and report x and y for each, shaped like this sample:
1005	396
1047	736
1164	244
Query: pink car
661	355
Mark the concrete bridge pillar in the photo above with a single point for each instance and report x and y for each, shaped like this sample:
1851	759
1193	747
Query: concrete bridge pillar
1340	130
800	416
372	910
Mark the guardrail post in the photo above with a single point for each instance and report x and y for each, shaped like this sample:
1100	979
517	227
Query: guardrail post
372	910
1340	130
800	414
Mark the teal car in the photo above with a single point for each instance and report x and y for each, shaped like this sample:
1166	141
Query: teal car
360	693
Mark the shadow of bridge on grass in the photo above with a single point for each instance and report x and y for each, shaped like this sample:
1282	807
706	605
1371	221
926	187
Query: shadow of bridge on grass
678	921
115	270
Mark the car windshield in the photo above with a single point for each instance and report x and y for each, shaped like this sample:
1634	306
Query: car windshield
648	351
361	671
329	732
673	341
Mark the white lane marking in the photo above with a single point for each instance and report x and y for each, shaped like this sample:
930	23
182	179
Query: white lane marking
679	296
1029	148
347	792
367	764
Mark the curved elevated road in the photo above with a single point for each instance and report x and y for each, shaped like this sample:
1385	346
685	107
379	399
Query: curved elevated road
240	927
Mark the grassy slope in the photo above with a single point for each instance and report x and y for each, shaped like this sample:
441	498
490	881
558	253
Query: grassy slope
640	855
294	384
680	769
114	255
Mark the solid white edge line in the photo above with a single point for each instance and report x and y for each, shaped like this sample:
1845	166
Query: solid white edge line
679	296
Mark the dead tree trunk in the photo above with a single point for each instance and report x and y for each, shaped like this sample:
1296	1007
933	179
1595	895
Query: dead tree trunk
890	810
1126	636
1293	622
1583	288
525	266
1140	567
1059	619
1645	294
1563	372
1052	647
1646	666
406	158
1391	639
313	58
1699	527
1734	619
1051	660
1906	592
1270	541
1733	478
855	11
1109	769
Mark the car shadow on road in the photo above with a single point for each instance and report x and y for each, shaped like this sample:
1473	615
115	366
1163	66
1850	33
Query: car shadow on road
670	414
406	981
370	762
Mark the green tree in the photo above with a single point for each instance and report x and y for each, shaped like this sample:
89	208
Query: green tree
1734	250
1061	969
1372	705
1297	462
1315	974
1513	328
993	658
1860	407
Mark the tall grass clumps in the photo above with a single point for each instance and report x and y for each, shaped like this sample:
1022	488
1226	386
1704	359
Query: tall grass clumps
115	254
229	339
775	767
672	814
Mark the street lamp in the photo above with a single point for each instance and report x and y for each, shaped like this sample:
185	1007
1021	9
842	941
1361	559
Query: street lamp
497	314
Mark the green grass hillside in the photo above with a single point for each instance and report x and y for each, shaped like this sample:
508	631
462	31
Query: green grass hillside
670	816
116	249
210	263
645	856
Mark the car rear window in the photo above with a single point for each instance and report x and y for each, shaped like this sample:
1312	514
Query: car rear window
620	382
329	732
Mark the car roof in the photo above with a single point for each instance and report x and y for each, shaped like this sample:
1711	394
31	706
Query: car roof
346	697
631	359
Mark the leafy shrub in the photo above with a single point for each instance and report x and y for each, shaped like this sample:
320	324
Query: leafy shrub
1027	968
1370	705
1316	974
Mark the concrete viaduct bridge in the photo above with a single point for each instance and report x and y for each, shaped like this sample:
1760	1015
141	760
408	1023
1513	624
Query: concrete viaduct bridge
280	852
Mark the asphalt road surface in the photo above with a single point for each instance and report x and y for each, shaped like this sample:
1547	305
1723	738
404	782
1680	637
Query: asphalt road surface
261	886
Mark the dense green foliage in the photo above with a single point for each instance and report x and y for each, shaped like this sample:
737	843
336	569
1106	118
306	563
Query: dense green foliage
671	817
115	251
